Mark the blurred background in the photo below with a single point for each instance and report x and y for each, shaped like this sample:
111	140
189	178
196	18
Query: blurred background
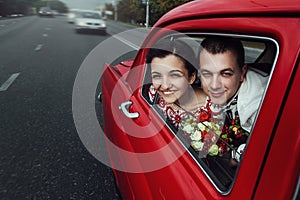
129	11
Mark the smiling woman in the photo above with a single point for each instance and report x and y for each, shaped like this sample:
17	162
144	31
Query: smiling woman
174	76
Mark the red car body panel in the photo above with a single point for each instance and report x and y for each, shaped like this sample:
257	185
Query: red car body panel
211	9
270	167
280	171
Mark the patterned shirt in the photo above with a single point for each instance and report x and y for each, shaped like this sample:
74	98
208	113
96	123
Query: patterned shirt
174	112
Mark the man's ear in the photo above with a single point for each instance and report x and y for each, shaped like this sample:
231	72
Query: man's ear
244	71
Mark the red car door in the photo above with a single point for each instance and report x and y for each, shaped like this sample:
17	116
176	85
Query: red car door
114	94
141	146
134	133
283	155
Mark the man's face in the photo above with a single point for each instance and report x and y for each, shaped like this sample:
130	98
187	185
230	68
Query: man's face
220	75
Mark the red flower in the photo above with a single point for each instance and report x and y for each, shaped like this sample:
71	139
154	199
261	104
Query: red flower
238	134
203	117
223	148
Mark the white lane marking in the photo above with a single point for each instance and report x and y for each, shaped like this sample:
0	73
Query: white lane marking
127	42
9	81
38	47
47	29
45	35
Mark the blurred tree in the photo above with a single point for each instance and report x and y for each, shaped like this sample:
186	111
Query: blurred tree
159	7
134	11
126	11
109	7
8	7
140	12
58	6
25	7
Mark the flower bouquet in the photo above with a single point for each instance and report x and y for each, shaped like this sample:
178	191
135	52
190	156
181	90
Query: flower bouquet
210	136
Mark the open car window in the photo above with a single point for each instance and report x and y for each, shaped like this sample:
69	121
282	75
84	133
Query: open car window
218	153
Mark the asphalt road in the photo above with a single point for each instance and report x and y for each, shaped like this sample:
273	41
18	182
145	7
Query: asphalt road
41	154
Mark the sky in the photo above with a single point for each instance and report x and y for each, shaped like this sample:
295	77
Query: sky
86	4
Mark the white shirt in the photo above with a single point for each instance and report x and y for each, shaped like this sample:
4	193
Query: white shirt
249	98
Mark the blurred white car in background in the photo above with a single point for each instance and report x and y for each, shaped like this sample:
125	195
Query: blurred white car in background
89	20
46	11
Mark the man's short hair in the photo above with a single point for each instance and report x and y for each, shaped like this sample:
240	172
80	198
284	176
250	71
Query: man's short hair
218	44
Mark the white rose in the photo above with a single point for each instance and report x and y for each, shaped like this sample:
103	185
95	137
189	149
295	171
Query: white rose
196	135
213	150
215	127
206	123
218	133
188	128
197	145
201	126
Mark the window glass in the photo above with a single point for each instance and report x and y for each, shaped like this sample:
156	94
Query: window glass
253	50
91	15
216	127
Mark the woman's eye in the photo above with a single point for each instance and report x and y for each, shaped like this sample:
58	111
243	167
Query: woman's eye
156	76
176	75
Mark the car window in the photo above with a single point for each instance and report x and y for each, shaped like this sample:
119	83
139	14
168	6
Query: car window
90	15
217	145
45	9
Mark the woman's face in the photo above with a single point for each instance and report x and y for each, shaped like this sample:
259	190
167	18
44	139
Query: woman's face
170	78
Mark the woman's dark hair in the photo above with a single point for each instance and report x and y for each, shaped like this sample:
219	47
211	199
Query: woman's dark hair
218	44
175	47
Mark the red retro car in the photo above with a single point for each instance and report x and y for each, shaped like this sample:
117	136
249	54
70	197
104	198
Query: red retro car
150	159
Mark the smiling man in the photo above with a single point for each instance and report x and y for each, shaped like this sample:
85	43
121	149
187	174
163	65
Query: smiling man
225	78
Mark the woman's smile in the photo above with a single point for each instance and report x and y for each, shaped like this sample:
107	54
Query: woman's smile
168	92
